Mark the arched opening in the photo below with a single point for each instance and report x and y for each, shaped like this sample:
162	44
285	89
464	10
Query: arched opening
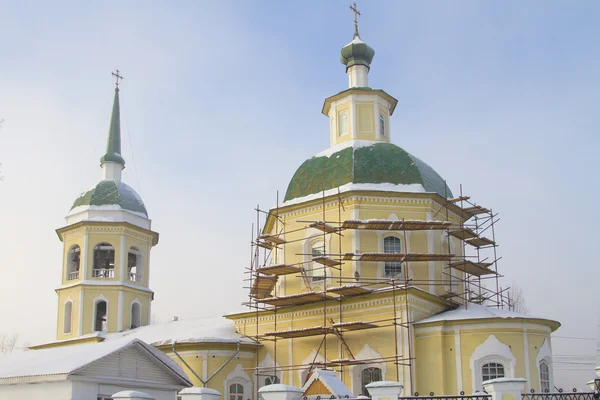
317	271
73	262
134	267
368	375
68	317
104	261
136	315
392	245
100	314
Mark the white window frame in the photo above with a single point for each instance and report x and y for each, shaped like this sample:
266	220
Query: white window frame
95	302
400	264
239	377
491	350
366	353
381	125
489	365
405	246
541	373
545	354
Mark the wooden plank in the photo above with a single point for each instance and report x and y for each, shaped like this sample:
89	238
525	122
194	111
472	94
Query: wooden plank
322	226
428	257
354	325
381	257
296	299
349	290
327	261
480	242
462	233
474	210
273	239
262	286
280	269
264	245
349	256
296	333
457	199
473	268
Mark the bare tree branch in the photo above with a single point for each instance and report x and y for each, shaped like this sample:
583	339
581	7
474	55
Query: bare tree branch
516	300
8	343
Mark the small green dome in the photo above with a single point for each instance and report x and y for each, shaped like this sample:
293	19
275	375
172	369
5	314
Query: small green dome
357	52
367	166
110	195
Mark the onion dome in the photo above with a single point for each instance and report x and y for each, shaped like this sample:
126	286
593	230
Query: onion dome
357	52
110	195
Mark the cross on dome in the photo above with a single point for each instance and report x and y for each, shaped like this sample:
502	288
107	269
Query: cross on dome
356	14
117	77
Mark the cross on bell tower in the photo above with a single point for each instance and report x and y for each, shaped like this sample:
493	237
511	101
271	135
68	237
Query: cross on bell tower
117	76
356	14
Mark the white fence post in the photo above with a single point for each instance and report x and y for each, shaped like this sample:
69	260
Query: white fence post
505	388
199	393
132	395
385	390
280	392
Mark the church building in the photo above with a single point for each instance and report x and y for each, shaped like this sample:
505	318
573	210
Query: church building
370	269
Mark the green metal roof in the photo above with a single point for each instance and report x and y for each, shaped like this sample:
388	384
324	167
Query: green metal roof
112	193
378	163
357	52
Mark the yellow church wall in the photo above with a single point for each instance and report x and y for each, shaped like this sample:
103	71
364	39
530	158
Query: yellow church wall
364	121
73	295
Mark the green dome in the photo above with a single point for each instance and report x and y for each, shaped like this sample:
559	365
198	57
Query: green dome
365	165
110	195
357	52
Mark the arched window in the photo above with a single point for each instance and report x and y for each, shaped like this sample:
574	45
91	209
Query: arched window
381	125
136	315
134	270
492	371
317	270
236	392
73	261
68	317
367	376
100	313
343	123
104	261
392	245
544	376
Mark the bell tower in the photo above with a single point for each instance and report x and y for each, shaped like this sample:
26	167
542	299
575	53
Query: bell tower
107	242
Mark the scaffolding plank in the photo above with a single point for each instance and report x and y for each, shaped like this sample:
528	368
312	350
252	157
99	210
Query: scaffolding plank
448	295
349	290
462	233
372	256
296	299
349	256
474	210
378	224
280	269
273	239
296	333
473	268
428	257
323	226
264	245
344	361
351	224
457	199
480	242
354	325
416	225
262	286
327	261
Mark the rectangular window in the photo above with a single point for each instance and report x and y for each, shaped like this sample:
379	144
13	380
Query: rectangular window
392	245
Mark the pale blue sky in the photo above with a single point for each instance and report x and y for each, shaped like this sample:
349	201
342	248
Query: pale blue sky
221	103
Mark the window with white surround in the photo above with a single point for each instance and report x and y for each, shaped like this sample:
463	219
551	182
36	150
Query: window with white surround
136	315
381	125
492	370
271	380
73	262
317	270
236	392
100	316
104	261
544	376
343	123
68	318
134	270
369	375
392	245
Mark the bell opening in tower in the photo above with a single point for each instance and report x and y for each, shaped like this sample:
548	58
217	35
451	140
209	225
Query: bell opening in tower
104	261
100	324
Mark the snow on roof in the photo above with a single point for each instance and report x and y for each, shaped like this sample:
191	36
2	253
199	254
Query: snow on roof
473	311
341	146
210	329
70	359
331	381
383	187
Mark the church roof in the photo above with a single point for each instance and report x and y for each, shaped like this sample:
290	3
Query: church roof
110	195
476	311
363	165
330	381
197	330
71	359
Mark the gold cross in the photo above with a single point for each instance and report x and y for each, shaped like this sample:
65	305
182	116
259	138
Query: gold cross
356	14
117	77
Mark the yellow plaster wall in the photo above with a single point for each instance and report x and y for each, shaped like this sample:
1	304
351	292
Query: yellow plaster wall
364	121
63	296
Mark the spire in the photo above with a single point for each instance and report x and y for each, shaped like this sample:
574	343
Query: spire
357	57
112	162
356	14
